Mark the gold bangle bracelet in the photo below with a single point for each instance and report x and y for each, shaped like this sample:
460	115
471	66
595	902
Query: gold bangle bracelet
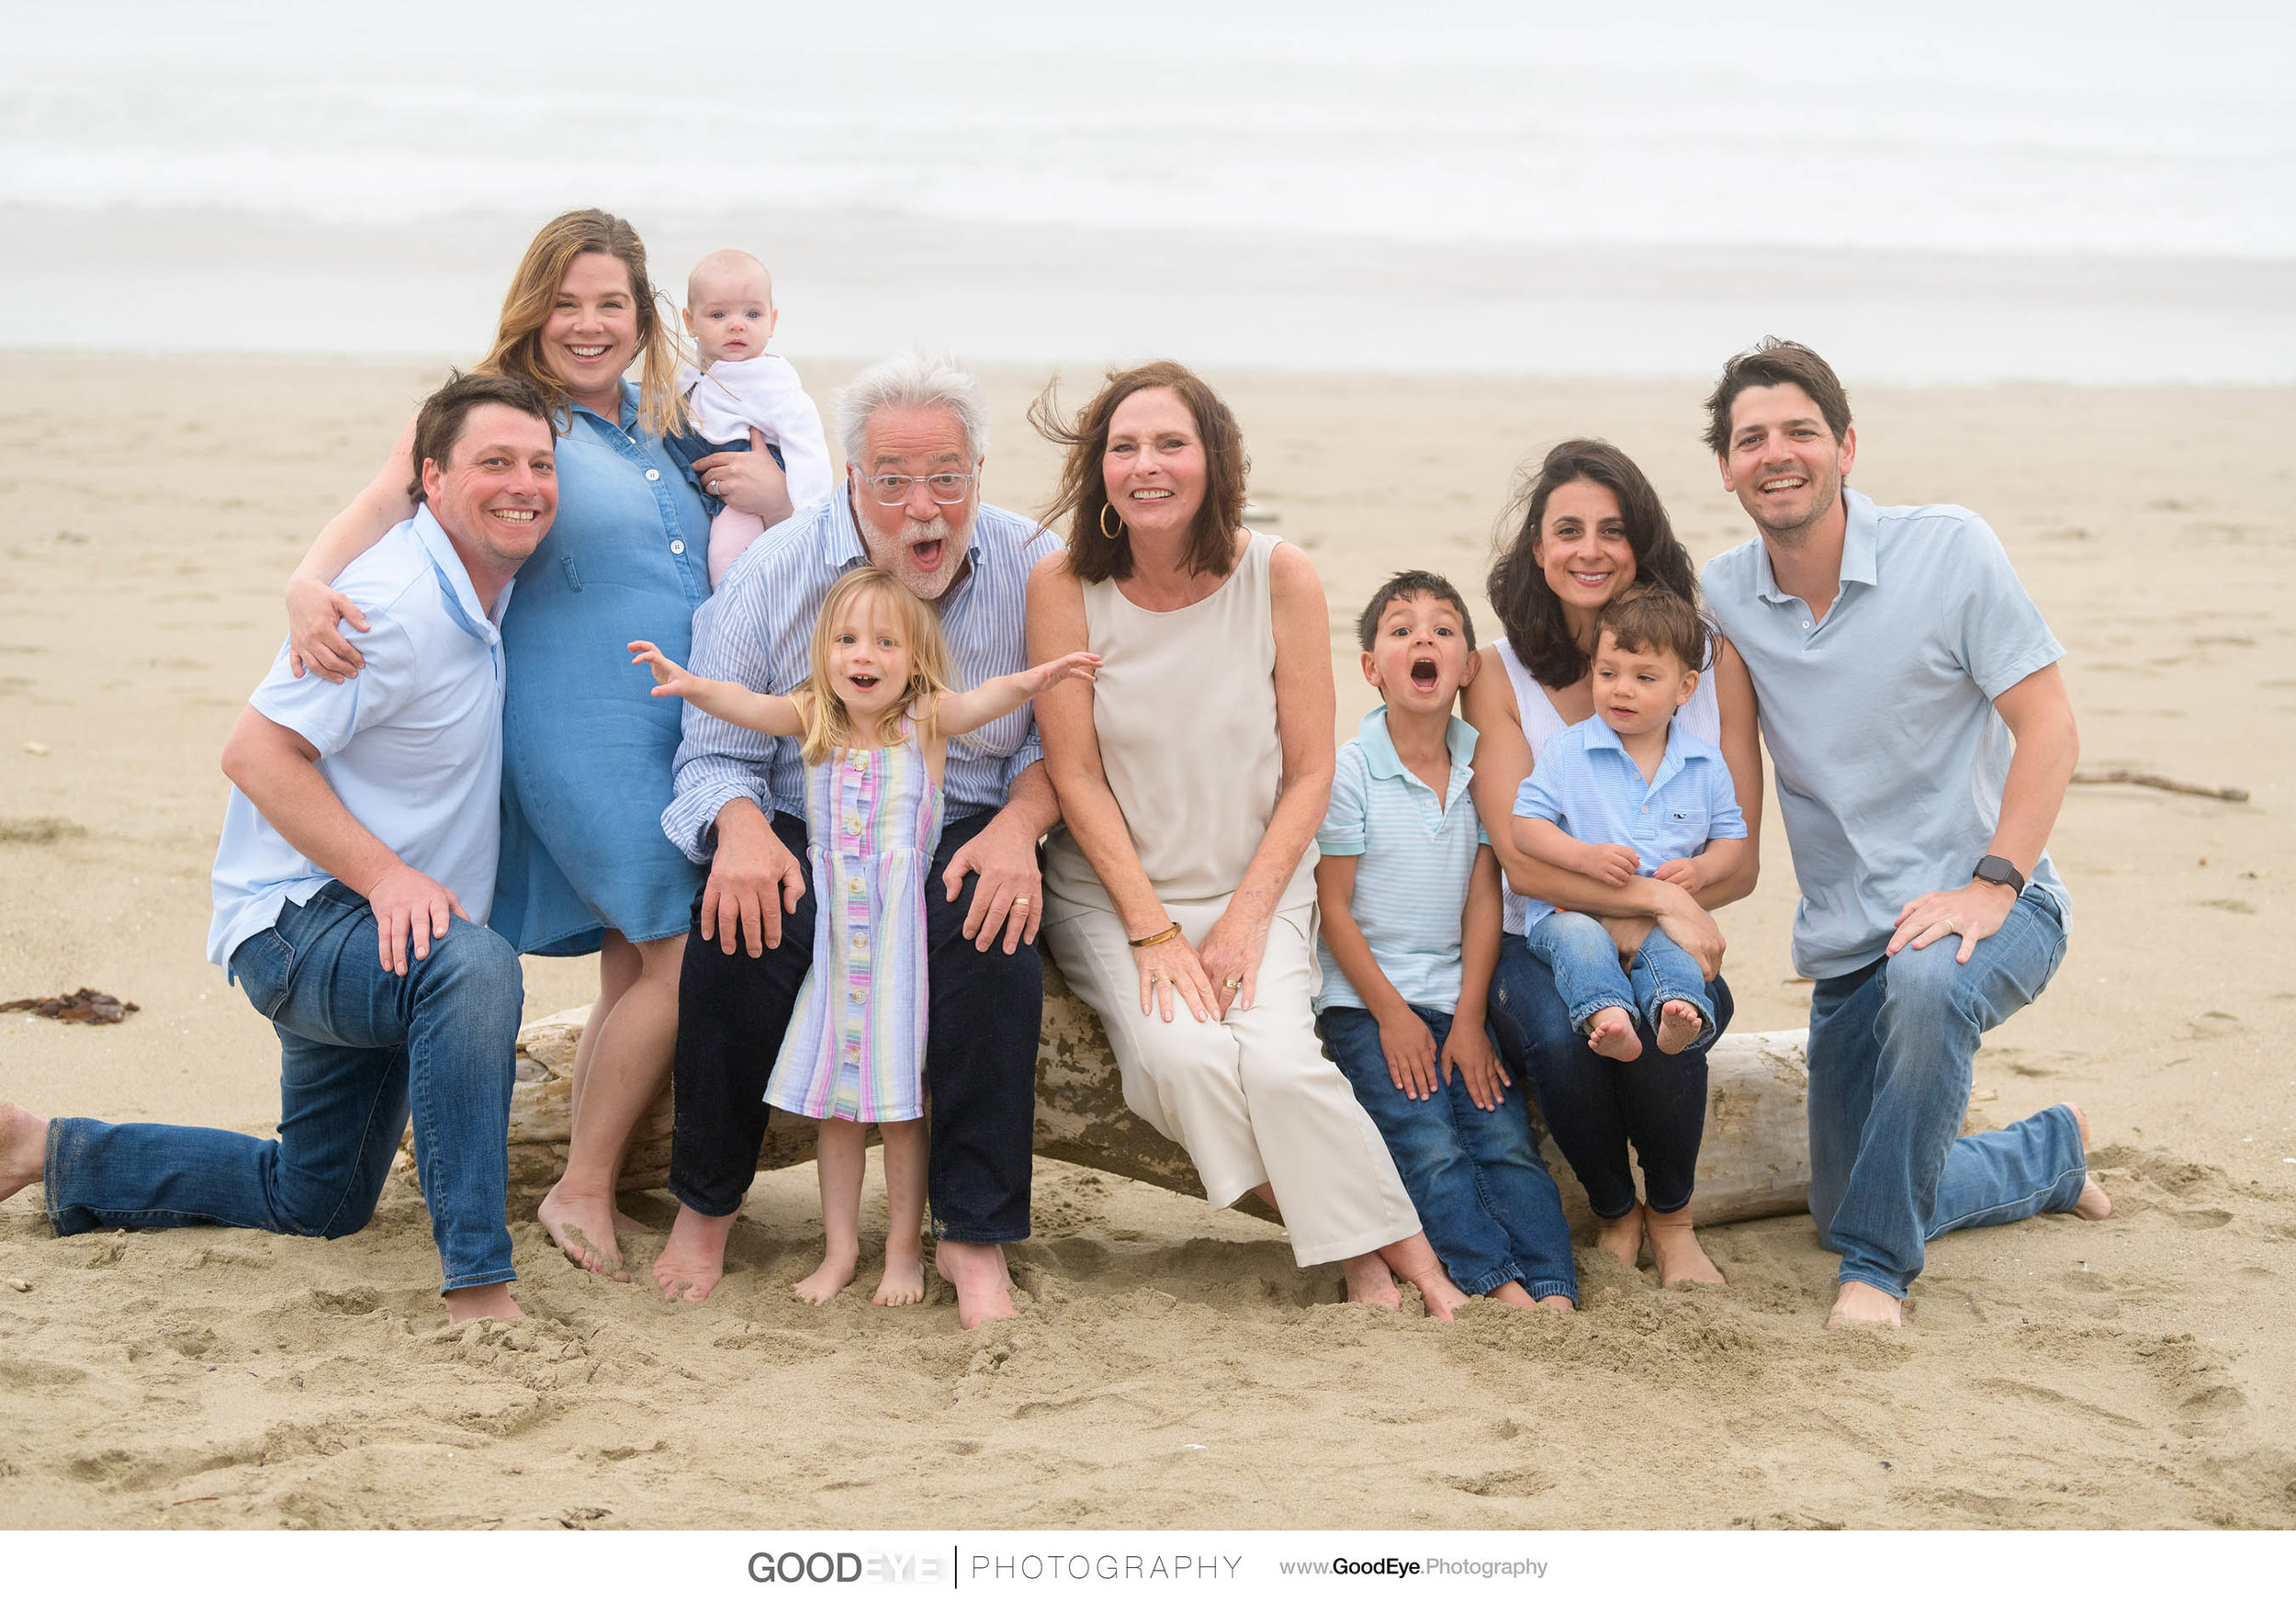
1159	937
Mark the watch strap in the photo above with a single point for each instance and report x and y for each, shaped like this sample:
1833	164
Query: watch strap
1998	871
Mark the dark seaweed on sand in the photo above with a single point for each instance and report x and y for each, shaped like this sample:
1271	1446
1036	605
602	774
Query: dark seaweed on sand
82	1006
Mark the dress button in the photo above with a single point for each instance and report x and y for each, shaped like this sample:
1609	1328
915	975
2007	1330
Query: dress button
677	547
652	474
852	887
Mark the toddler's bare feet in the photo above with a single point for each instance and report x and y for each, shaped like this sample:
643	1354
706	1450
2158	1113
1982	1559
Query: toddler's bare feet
1558	1303
835	1273
1370	1282
2092	1204
1679	1024
693	1260
1674	1247
1860	1303
583	1227
903	1282
984	1283
1622	1236
481	1302
1510	1294
1611	1034
23	1149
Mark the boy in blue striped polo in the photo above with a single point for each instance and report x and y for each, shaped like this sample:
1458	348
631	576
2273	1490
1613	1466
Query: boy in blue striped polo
1409	892
1627	792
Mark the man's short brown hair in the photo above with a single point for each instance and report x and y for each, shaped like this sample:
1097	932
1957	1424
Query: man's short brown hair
1775	361
438	425
1650	618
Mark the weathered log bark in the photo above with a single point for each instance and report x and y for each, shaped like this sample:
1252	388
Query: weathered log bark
1754	1162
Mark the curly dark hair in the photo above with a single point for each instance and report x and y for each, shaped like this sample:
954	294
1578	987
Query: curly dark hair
1529	610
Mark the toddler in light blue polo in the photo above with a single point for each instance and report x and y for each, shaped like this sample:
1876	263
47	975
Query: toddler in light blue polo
1409	892
1629	792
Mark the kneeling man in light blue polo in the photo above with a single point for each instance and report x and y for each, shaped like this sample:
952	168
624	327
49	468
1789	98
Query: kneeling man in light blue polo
351	896
1922	741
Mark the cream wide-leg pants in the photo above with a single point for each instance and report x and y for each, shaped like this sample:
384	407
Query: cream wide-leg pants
1250	1095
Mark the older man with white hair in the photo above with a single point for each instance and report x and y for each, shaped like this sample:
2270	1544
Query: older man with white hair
914	432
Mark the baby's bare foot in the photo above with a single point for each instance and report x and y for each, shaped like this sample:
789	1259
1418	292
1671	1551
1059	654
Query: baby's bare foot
23	1149
903	1282
1679	1024
1622	1236
1861	1303
835	1273
2092	1204
1558	1303
1611	1034
1674	1247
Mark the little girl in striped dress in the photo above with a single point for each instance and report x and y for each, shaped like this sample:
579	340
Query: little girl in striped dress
875	719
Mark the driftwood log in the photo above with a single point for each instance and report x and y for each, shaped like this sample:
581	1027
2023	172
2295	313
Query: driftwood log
1754	1163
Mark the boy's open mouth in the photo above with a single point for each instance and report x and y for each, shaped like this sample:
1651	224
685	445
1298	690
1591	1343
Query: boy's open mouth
1425	674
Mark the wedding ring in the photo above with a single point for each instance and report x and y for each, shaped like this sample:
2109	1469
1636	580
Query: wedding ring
1949	927
1019	901
713	486
1236	984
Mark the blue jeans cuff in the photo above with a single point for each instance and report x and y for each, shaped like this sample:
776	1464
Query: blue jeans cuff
484	1277
1493	1281
1540	1288
1872	1277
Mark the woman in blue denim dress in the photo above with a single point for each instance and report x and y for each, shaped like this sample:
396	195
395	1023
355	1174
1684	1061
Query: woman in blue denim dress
587	751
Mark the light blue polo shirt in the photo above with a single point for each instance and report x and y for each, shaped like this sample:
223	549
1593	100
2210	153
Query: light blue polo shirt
412	747
1417	851
1586	786
1888	756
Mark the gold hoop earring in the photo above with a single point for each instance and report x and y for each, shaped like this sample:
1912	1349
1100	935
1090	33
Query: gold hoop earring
1105	531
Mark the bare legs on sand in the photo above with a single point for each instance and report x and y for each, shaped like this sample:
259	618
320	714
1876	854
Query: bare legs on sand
1857	1302
840	1152
619	1068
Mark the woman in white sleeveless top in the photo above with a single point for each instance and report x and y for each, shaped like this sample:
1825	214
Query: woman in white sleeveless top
1180	889
1591	526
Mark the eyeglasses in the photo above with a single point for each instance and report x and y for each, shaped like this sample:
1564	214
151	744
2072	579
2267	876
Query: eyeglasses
893	489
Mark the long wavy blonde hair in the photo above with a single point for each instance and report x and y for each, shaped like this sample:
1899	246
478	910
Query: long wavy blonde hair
931	674
533	295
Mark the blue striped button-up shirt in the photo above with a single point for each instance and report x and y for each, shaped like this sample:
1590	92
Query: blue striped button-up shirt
757	630
1587	786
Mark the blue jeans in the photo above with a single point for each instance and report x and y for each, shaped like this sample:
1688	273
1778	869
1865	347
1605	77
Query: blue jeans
1585	962
1484	1196
357	1046
1890	1048
1594	1107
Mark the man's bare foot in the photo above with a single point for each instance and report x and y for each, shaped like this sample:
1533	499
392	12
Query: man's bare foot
1622	1236
2092	1203
835	1273
583	1227
1674	1247
984	1284
1370	1282
903	1282
1611	1034
1679	1024
481	1302
23	1149
694	1261
1861	1303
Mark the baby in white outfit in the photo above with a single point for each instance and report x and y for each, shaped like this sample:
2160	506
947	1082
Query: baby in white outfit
740	385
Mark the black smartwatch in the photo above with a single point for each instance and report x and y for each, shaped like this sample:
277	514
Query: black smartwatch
2000	870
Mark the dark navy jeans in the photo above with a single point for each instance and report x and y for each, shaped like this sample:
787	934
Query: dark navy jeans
984	1012
1484	1196
1597	1108
360	1048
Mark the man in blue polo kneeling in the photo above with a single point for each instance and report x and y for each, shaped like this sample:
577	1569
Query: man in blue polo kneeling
352	888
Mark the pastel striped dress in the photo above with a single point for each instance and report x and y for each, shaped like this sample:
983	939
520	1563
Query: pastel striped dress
856	1046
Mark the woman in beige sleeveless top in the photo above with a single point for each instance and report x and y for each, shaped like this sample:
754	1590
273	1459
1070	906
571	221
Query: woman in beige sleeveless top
1179	891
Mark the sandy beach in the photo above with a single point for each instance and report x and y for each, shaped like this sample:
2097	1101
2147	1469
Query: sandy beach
1171	1366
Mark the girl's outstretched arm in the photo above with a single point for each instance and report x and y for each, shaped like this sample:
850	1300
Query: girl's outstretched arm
967	710
731	703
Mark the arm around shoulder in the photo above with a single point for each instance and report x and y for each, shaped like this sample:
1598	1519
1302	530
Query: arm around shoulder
314	607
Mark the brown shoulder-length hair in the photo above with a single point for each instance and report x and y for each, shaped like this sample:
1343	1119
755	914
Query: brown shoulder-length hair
1095	553
534	294
1529	608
